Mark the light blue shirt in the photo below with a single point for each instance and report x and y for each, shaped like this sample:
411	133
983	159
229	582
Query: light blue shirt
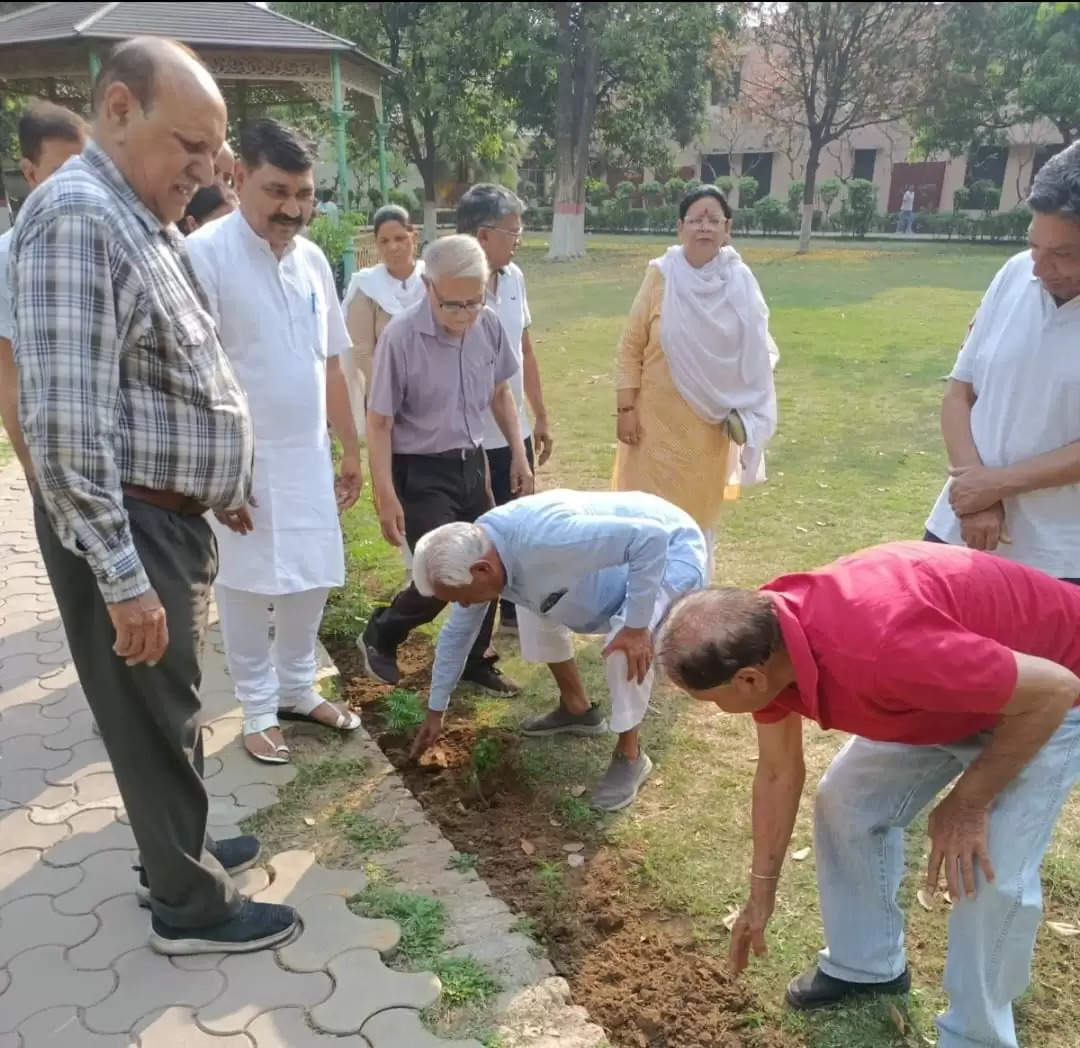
578	558
7	322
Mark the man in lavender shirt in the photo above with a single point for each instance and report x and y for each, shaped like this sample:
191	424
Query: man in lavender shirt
440	366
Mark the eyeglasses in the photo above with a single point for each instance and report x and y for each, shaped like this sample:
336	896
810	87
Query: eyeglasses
514	234
456	307
705	221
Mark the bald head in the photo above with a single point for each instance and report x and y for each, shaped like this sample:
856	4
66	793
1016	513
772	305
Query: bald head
160	116
725	646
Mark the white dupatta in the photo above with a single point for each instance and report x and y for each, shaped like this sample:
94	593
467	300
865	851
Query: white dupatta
393	295
714	329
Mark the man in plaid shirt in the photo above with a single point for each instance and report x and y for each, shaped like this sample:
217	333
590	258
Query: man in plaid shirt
136	426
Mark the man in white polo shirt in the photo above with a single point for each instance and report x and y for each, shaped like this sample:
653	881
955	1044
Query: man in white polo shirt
1011	416
492	214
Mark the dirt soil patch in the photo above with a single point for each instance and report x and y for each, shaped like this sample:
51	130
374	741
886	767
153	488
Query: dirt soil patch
638	971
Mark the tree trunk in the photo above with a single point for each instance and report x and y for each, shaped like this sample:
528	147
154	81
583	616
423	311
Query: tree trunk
431	229
813	156
573	127
427	173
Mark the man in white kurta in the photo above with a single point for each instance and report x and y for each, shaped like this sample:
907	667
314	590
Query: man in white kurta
272	294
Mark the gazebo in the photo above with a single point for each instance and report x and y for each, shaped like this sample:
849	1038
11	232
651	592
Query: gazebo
258	56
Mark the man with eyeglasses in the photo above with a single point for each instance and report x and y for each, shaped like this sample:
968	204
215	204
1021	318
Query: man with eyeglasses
440	367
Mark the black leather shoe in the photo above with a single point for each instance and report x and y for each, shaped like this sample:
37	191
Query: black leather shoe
483	673
815	989
380	665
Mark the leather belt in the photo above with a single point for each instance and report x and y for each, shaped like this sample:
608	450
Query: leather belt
184	505
457	454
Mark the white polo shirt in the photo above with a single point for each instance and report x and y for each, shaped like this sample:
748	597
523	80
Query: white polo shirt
512	308
7	321
1022	356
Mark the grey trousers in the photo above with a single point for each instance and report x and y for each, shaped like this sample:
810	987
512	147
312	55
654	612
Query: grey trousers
149	716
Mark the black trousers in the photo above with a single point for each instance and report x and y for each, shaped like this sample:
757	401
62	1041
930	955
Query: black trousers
929	536
499	466
149	716
433	490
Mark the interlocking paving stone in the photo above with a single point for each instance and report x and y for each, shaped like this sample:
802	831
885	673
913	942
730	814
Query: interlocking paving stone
401	1027
65	680
26	753
62	812
92	831
330	928
42	978
198	962
96	787
257	795
80	730
148	982
72	702
30	788
240	770
124	926
363	985
29	720
17	830
255	983
60	1028
15	670
297	876
174	1027
287	1028
29	693
31	921
22	874
105	875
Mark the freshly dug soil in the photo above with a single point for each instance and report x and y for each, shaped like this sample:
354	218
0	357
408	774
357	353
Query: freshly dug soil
636	970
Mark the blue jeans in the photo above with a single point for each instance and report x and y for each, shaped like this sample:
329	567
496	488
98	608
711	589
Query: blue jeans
906	223
869	795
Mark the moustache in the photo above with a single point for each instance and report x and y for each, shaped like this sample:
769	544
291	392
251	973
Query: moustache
291	223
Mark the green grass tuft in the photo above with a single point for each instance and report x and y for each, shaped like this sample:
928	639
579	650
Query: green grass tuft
422	920
367	834
464	981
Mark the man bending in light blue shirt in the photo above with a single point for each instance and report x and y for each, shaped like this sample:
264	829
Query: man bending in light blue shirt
572	562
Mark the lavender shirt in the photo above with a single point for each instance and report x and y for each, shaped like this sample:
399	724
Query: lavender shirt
435	387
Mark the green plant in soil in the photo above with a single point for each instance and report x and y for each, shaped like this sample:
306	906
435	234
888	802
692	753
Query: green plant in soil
577	814
463	861
422	920
485	756
402	711
464	981
366	833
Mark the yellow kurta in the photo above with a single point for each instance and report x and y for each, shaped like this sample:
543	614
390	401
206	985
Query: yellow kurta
680	456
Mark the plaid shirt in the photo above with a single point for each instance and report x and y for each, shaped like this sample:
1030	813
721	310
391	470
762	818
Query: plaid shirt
122	379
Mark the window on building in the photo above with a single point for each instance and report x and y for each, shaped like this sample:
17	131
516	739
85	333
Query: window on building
863	166
1044	153
714	166
759	165
987	164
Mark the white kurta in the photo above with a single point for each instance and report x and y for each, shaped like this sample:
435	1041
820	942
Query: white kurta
279	322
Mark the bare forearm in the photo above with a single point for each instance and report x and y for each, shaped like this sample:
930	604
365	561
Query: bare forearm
534	392
9	405
956	425
339	411
626	398
1055	469
504	409
380	453
775	806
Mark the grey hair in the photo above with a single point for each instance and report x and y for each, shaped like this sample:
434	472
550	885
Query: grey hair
1056	189
486	204
455	256
445	555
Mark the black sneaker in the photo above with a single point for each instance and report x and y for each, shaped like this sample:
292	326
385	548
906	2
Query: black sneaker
379	665
815	989
236	854
256	926
486	675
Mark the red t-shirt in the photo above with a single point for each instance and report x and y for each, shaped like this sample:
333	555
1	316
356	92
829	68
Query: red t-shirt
912	641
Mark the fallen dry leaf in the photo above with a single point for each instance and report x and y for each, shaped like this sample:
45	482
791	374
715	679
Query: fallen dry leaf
801	854
576	846
308	820
528	847
731	918
897	1019
1063	928
926	900
576	861
577	791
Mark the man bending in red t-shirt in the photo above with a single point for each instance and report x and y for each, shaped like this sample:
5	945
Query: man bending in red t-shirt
945	664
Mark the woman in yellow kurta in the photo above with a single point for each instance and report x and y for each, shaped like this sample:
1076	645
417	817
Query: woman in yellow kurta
695	395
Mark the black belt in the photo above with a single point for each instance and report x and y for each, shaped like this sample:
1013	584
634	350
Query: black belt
455	454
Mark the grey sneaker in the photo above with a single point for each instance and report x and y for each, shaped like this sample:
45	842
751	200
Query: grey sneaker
621	782
561	722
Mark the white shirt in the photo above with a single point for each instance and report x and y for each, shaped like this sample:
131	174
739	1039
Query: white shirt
7	322
908	203
512	307
1022	356
278	322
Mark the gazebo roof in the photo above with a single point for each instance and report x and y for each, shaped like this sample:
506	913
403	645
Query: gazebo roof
215	24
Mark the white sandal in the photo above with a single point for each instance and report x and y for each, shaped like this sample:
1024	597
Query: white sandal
257	727
345	720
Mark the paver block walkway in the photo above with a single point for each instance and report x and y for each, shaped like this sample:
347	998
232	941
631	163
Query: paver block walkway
75	970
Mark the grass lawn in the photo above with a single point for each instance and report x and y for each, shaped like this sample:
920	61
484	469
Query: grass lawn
866	335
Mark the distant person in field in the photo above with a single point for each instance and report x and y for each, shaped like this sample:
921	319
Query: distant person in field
907	211
1011	414
695	398
955	671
